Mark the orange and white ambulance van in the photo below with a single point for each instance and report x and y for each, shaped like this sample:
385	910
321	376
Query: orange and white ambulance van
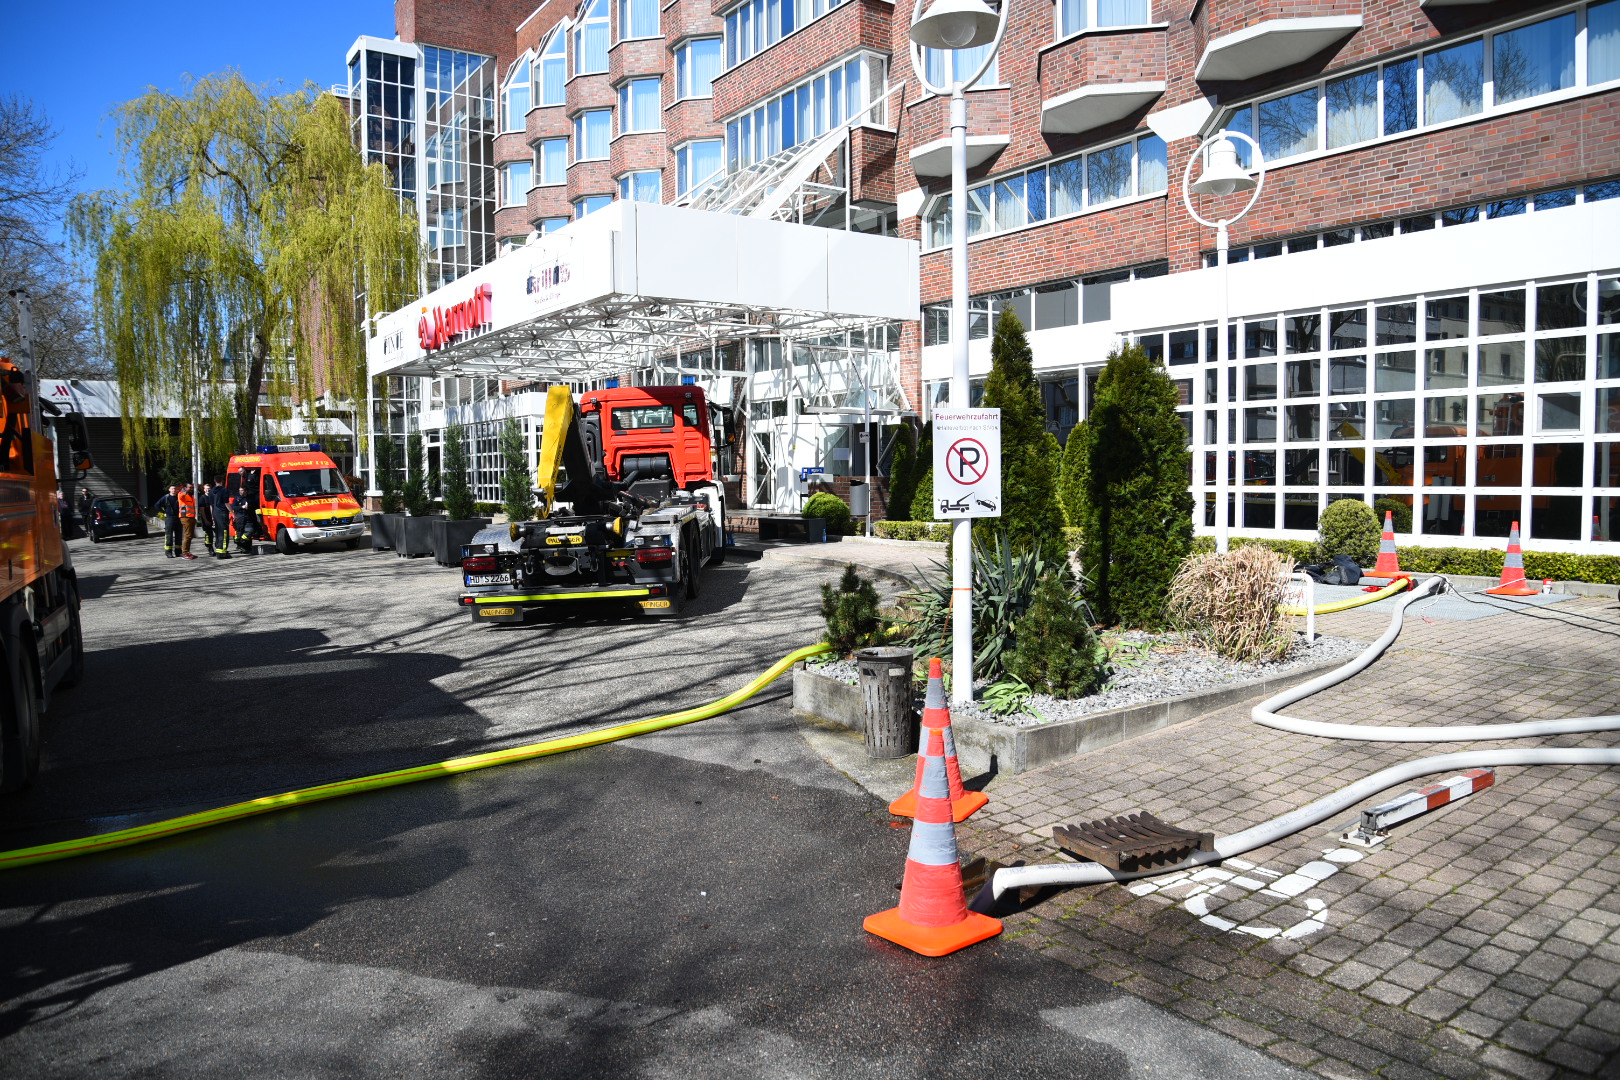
296	496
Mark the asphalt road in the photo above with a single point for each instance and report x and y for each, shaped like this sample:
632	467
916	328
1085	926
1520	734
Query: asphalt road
685	905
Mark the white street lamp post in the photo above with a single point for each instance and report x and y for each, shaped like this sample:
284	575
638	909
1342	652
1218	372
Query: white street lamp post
958	24
1222	176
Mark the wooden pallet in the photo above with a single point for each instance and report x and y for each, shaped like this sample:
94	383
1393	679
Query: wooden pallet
1131	842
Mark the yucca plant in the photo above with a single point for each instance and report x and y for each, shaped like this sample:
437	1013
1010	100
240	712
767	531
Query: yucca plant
1232	604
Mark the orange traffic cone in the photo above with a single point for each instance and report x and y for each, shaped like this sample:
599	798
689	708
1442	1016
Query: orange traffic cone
937	717
933	918
1389	564
1513	582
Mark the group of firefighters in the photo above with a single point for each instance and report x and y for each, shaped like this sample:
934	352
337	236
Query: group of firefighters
184	508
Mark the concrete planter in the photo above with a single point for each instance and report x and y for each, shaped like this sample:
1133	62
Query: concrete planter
449	536
981	746
413	536
383	528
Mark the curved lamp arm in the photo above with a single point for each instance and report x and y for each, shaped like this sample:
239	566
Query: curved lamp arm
1003	15
1186	177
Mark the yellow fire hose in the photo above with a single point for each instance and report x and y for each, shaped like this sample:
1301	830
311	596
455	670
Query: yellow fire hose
1355	601
157	830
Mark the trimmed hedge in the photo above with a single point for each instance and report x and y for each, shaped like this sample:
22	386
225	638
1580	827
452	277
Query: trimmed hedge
1597	569
914	530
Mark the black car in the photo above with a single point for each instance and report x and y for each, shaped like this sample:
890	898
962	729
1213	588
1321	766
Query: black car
113	515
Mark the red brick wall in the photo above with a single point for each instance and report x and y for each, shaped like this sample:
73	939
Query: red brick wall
480	26
854	24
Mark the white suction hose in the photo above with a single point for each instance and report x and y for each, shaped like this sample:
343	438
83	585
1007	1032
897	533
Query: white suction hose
1276	829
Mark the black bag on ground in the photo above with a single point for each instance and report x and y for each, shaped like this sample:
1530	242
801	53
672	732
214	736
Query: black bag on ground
1341	571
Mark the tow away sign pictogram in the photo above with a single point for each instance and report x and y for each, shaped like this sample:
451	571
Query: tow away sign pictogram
967	463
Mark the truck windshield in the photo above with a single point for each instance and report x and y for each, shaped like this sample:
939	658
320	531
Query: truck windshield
299	483
632	417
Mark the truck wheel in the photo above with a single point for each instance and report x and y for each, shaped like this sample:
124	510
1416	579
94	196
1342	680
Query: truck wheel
75	642
718	555
19	715
284	543
689	564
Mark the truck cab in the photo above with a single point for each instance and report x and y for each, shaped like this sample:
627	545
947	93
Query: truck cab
297	495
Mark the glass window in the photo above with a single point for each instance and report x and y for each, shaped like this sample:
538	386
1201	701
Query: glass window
1445	466
1560	307
1506	208
1445	417
1347	375
1560	412
1447	318
638	18
1500	414
1443	515
1300	423
1260	468
1301	467
1395	419
696	164
1459	215
1555	517
1608	411
1301	378
1304	333
591	40
1259	511
1352	109
1347	329
1151	169
591	204
1183	346
1395	372
1560	359
593	131
1534	59
1260	339
1395	465
1501	312
1347	468
1499	465
515	183
552	224
1068	186
1606	464
1011	211
1608	301
553	157
979	217
1559	465
1397	324
1552	200
1288	125
1495	515
1260	382
1400	96
1109	173
643	186
696	64
1445	368
1453	82
551	79
1608	356
639	103
948	66
515	96
1501	363
1603	42
1347	421
1260	425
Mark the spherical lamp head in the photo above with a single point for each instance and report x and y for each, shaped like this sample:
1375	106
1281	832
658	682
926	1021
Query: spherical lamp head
955	24
1222	174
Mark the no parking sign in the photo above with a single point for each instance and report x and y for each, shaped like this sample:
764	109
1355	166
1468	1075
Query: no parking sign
967	463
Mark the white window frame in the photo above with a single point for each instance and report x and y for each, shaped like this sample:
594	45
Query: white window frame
761	123
582	133
1091	25
520	79
541	177
555	53
624	11
596	18
627	184
582	202
627	104
684	67
683	166
505	173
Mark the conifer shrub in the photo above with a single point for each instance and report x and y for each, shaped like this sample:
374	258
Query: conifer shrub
517	479
1056	652
1135	516
1072	475
1030	516
1349	527
416	490
851	612
459	502
830	508
389	469
903	476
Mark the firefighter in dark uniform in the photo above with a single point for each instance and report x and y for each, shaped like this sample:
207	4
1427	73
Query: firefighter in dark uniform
169	506
220	507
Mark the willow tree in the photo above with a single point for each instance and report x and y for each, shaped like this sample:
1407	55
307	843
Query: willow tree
240	257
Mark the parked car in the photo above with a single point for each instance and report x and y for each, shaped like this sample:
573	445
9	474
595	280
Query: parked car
113	515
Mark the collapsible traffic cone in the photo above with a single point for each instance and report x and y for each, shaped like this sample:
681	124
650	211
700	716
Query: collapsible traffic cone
936	717
1389	564
933	917
1513	583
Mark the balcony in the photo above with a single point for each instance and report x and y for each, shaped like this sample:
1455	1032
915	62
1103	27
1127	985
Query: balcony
934	158
1094	106
1271	45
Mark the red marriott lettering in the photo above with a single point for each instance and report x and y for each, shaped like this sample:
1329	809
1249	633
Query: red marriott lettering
443	323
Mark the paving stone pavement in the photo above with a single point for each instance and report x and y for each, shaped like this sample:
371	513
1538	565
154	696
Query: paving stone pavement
1482	940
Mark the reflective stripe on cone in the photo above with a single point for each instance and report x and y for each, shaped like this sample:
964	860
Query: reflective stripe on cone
937	717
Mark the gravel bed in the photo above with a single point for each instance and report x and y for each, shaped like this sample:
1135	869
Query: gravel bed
1169	667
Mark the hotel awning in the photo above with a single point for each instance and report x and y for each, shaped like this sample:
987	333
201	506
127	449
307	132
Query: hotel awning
635	281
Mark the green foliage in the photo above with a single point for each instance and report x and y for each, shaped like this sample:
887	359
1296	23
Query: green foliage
1348	527
903	475
851	611
1135	512
1402	512
1476	562
914	530
228	266
416	491
1009	697
1071	538
1030	516
458	494
922	503
824	504
517	480
1072	478
1056	652
1232	603
390	474
1004	584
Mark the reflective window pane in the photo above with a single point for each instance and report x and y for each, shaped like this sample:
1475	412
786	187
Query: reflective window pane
1304	331
1499	465
1395	465
1395	372
1603	42
1109	173
1555	517
1396	324
1347	421
1288	125
1396	419
1300	423
1260	338
1445	417
1348	329
1400	96
1302	378
1352	109
1499	414
1560	412
1347	375
1453	82
1534	59
1501	363
1560	307
1444	369
1501	312
1445	466
1347	467
1447	318
1560	359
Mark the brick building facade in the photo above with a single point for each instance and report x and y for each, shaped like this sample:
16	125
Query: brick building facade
1420	314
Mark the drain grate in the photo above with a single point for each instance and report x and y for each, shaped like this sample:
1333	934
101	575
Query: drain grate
1131	842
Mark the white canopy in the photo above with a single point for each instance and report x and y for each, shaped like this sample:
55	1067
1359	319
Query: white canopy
635	281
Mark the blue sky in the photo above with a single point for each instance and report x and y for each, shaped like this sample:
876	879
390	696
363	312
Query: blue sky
79	60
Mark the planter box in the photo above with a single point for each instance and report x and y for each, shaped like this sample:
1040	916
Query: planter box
413	536
981	746
449	536
383	529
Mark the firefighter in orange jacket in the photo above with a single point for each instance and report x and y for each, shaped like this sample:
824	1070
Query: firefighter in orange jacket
188	520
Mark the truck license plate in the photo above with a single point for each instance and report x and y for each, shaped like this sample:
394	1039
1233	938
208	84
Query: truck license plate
655	603
497	611
486	579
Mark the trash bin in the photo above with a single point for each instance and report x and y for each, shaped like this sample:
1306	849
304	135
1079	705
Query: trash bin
892	725
860	499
